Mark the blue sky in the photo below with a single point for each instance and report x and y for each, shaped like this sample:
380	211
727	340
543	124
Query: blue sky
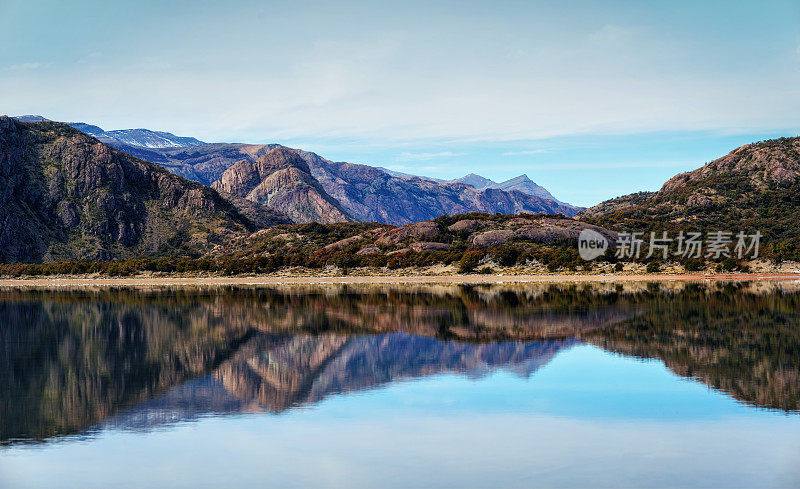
590	99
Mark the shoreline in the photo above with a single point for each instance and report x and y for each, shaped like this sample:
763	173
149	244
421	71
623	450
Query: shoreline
392	279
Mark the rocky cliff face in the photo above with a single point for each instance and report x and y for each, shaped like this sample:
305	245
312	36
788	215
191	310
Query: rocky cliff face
64	195
282	180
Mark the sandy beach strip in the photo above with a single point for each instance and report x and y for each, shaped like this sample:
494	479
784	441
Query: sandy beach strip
388	279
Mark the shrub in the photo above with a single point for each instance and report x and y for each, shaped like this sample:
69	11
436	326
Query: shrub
507	255
469	261
694	265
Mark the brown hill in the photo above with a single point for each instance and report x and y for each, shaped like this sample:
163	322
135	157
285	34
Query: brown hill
755	187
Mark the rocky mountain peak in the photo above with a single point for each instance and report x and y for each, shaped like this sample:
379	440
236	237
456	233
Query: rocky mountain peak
280	158
282	180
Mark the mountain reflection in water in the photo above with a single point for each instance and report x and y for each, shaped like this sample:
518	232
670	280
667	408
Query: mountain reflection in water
74	360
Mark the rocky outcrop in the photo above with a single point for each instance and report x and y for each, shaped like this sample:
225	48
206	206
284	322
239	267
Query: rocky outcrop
369	250
753	188
260	215
493	238
66	196
417	230
421	246
281	180
770	162
541	230
467	225
343	243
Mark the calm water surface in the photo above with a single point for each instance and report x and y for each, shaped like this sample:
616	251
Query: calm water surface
523	386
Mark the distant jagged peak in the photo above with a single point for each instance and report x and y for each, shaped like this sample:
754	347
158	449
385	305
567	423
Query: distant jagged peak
518	179
475	180
520	183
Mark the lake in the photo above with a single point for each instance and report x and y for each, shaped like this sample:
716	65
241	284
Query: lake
538	385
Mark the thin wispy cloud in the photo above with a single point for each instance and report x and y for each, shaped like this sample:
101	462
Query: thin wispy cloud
25	66
613	34
606	165
414	170
526	152
407	156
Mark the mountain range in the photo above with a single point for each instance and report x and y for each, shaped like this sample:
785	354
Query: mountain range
357	192
69	195
522	183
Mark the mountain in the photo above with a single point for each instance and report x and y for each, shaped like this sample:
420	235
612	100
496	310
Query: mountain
141	138
755	187
521	183
66	196
151	139
144	138
282	180
527	186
